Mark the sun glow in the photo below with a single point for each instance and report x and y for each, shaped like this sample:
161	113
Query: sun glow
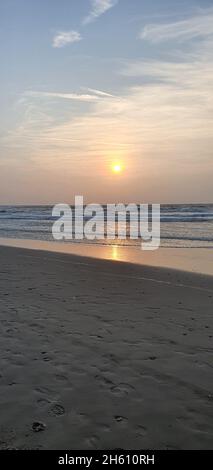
116	168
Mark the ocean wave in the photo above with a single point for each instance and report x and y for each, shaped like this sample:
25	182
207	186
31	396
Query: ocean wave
181	225
197	217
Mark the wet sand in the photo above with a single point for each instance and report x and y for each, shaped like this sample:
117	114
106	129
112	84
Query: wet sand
103	355
198	260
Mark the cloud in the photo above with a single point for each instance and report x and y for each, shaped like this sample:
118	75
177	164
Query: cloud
100	93
195	74
92	95
167	117
160	124
98	8
67	96
199	26
63	38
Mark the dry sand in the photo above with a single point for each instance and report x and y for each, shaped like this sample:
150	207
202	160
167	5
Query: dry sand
103	355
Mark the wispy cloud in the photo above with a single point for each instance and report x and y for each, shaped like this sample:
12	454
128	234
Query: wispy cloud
92	95
62	38
170	114
197	26
161	124
100	93
98	8
66	96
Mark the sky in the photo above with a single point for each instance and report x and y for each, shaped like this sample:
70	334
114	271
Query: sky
86	84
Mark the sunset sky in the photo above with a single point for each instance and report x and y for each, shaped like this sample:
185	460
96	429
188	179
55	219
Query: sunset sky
88	85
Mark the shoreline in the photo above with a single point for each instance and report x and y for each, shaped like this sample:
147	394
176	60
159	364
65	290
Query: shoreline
194	260
103	355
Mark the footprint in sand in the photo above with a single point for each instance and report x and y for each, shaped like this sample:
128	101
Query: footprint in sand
122	389
37	426
57	410
142	430
120	419
43	402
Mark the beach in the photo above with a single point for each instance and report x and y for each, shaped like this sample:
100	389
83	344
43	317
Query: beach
98	354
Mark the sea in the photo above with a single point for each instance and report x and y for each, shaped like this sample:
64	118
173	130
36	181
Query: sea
182	226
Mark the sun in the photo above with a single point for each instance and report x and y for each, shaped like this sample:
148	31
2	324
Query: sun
116	168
